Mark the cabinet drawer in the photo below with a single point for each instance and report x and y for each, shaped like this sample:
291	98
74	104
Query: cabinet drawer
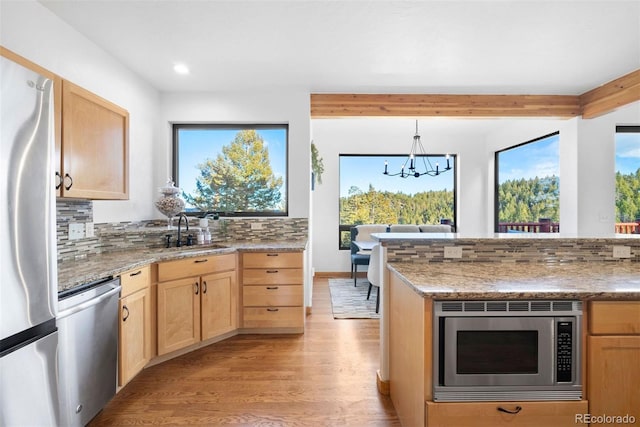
273	317
272	259
479	414
614	317
197	266
258	296
134	280
272	276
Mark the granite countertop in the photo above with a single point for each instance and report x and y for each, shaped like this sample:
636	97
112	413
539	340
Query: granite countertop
94	267
494	280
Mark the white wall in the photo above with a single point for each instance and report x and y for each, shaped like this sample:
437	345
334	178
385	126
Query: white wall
264	107
32	31
596	166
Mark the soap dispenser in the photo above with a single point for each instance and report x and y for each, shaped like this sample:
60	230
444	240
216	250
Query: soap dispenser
200	237
207	236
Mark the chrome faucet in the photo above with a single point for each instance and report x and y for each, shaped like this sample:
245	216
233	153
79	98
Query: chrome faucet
186	221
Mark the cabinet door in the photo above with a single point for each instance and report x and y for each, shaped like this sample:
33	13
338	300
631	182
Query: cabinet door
135	335
613	370
219	304
95	146
178	314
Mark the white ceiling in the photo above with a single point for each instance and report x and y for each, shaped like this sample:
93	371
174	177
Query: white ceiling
402	46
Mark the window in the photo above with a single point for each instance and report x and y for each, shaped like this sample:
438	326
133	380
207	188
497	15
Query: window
627	179
527	193
235	170
369	197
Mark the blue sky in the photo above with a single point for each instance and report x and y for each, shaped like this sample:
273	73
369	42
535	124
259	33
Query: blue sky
197	145
627	152
537	159
360	171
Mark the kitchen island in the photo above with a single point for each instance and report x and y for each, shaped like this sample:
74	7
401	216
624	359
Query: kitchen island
610	292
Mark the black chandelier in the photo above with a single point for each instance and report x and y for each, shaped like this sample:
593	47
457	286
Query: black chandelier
417	153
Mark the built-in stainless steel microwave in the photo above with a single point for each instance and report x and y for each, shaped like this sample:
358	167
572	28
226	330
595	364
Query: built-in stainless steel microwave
507	350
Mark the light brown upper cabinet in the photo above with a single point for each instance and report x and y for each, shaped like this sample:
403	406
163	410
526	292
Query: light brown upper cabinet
94	160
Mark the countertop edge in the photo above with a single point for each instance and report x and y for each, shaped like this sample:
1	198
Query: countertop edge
93	267
443	294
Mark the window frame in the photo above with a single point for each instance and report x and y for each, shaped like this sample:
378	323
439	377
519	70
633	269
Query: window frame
622	129
177	126
454	166
496	176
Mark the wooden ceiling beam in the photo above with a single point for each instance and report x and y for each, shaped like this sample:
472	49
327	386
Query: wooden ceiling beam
413	105
608	97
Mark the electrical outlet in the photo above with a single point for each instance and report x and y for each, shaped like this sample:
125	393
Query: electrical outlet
453	251
76	231
89	230
622	251
256	226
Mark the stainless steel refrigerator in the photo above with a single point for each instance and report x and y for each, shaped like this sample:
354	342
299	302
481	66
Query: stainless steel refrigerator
28	270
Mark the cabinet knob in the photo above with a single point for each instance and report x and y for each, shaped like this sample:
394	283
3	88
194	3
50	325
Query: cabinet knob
197	285
124	318
204	286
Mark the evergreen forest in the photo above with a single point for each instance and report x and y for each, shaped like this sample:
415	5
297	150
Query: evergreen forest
628	197
522	200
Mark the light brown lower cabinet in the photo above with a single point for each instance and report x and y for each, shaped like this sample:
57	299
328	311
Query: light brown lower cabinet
511	414
134	350
613	360
200	306
272	291
219	300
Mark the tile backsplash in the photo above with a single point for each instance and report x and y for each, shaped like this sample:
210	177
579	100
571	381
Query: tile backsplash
119	236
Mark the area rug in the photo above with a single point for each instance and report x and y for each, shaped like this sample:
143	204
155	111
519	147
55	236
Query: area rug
350	302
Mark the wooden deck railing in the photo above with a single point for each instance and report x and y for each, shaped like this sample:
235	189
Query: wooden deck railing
554	227
628	227
542	226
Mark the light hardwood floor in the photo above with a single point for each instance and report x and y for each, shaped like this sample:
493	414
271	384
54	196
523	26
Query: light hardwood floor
326	377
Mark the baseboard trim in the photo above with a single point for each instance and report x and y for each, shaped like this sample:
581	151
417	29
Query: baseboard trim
336	274
383	385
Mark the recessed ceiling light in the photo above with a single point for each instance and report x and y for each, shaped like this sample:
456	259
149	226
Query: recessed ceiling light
181	69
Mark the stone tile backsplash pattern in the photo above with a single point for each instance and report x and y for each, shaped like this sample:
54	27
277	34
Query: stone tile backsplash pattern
110	237
513	251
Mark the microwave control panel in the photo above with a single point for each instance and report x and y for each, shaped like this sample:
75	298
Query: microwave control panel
564	351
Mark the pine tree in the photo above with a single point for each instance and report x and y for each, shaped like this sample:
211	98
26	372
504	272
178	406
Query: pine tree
239	179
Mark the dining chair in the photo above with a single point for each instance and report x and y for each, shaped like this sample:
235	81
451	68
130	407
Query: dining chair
373	274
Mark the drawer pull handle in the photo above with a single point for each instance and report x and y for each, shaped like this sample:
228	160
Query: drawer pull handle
272	288
124	318
272	254
272	271
136	273
515	411
198	261
197	287
273	309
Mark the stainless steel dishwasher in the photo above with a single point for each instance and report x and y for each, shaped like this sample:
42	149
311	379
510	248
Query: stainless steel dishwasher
88	349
